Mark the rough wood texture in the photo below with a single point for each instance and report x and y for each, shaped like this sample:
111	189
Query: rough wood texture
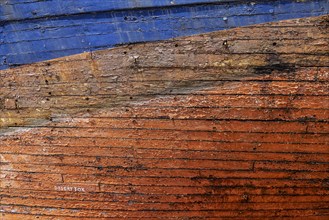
231	124
38	30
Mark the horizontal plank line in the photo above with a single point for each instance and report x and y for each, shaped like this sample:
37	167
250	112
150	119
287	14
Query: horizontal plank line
157	210
201	94
208	186
63	147
272	26
205	196
61	119
183	107
256	81
161	129
104	12
156	168
170	158
159	168
274	171
181	140
146	202
166	194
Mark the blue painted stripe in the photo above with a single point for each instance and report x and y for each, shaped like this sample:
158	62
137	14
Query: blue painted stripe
29	9
29	41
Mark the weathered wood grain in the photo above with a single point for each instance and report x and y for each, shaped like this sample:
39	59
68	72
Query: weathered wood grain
226	125
32	31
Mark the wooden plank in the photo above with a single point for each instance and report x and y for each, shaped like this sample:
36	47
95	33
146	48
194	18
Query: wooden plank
107	134
53	29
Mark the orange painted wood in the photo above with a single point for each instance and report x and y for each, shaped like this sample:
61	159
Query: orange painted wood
225	125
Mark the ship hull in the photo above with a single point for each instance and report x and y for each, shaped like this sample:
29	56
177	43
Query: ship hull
231	124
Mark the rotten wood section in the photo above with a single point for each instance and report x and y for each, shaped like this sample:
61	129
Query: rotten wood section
231	124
